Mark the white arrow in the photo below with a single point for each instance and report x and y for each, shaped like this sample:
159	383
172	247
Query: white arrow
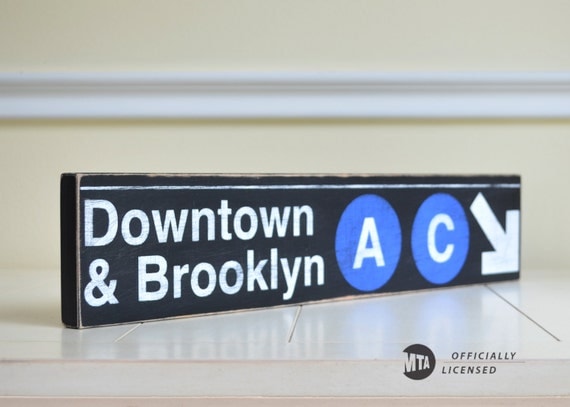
505	258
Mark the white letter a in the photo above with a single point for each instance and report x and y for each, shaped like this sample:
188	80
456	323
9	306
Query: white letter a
369	232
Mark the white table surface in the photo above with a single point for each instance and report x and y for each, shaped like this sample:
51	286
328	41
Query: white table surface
344	350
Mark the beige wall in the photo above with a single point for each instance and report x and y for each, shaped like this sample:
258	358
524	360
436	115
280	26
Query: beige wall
385	35
281	36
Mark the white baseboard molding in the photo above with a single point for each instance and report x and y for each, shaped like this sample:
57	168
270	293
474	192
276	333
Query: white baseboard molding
309	95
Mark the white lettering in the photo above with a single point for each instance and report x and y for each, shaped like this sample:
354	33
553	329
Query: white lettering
211	225
426	363
275	221
290	276
368	233
112	222
179	271
153	283
297	212
436	255
410	363
254	272
274	268
224	213
194	279
231	265
126	227
170	223
238	225
158	276
320	263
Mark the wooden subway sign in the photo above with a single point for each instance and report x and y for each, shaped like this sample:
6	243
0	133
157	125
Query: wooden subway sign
148	247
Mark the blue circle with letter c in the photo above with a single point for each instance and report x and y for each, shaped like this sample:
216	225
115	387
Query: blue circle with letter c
368	242
440	238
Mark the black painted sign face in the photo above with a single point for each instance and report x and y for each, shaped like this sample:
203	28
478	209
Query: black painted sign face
147	247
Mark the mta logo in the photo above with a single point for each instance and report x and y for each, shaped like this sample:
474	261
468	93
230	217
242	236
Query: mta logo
419	363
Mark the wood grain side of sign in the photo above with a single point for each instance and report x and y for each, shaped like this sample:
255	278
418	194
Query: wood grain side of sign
70	243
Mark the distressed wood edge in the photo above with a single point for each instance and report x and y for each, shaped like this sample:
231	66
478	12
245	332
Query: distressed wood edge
70	312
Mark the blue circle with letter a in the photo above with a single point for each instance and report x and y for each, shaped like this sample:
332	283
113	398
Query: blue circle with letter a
440	238
368	242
